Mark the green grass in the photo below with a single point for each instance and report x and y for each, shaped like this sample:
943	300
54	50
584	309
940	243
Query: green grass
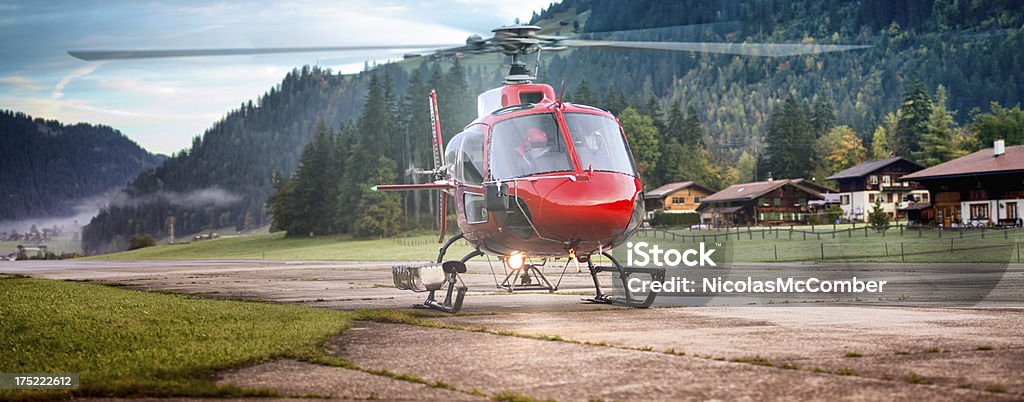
128	343
854	246
276	246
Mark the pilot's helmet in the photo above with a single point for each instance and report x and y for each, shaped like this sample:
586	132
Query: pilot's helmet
536	137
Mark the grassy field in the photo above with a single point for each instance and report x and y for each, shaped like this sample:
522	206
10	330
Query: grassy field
277	247
804	243
131	344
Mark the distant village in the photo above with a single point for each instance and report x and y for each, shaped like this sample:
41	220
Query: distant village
36	235
982	189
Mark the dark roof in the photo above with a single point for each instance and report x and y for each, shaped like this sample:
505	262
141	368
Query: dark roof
813	185
981	162
750	191
673	187
866	168
721	210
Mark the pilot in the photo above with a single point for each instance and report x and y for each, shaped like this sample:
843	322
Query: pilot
534	145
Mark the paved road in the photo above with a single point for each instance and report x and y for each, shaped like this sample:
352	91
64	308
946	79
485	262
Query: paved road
844	349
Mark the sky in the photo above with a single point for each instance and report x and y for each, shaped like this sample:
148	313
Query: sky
162	103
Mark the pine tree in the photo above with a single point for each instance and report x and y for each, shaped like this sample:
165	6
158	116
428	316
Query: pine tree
584	94
878	218
692	134
789	141
823	116
378	213
938	142
916	110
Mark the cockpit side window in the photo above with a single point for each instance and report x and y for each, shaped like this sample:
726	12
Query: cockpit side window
464	156
599	143
528	145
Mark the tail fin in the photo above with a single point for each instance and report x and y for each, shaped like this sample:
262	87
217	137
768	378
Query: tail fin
438	142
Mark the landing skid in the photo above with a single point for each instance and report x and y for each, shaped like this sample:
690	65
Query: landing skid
455	290
628	299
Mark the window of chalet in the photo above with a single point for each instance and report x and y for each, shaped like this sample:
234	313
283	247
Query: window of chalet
873	179
979	211
871	198
696	200
678	200
886	180
777	202
803	202
844	199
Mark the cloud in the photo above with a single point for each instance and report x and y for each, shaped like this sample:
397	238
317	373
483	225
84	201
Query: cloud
58	91
214	196
19	82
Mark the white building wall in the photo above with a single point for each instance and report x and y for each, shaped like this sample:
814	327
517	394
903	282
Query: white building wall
995	212
861	206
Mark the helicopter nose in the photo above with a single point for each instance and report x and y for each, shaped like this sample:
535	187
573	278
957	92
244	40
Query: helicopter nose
595	209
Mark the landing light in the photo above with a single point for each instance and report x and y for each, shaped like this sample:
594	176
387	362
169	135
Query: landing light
516	260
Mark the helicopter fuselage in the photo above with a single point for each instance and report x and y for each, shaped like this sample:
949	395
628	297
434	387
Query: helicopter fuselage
566	170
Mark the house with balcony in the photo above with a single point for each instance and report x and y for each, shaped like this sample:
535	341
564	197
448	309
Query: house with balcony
679	197
860	186
985	187
771	202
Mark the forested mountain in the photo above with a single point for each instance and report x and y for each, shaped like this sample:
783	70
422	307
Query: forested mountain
223	180
711	118
972	48
47	167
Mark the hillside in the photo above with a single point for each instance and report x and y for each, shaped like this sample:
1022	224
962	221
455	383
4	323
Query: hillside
971	48
48	168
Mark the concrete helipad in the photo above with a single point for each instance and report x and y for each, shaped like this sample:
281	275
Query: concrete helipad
555	346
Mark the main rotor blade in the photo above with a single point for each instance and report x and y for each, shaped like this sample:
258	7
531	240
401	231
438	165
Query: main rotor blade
95	55
744	49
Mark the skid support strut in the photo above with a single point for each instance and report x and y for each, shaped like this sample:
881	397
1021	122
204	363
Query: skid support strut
455	290
623	274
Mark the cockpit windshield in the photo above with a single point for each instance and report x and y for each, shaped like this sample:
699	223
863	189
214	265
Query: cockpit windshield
599	143
528	145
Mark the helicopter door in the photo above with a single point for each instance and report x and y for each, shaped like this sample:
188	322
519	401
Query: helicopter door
468	166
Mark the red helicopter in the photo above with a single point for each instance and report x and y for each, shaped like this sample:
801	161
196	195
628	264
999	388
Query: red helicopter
533	178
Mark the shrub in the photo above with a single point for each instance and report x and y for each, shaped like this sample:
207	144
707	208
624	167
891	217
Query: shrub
141	241
675	219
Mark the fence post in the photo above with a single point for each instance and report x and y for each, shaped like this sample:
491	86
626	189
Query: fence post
776	248
1018	252
901	229
886	248
903	258
865	231
822	251
951	246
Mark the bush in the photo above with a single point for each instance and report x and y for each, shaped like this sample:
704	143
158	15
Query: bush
141	241
675	219
878	219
